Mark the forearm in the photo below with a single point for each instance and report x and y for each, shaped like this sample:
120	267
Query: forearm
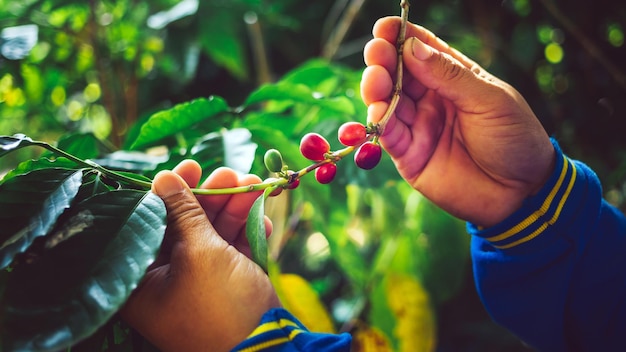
539	271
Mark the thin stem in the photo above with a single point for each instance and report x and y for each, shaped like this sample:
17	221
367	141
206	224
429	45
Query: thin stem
92	165
279	182
404	4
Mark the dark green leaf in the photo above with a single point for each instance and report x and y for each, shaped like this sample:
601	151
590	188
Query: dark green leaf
299	93
30	205
42	163
183	116
255	230
82	272
82	145
131	161
11	143
92	185
220	39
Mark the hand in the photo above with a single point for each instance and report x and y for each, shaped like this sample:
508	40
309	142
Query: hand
465	139
201	293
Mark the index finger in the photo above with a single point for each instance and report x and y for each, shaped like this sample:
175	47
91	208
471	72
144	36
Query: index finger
387	28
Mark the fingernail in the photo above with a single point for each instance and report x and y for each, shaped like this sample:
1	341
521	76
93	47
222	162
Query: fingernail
167	183
420	50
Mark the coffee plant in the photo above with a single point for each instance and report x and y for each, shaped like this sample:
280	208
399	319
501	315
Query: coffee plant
109	93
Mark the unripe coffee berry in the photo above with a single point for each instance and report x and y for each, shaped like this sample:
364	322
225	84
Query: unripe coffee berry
313	146
352	133
273	160
368	155
326	173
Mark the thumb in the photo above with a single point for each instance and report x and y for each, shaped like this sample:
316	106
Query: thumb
185	215
450	74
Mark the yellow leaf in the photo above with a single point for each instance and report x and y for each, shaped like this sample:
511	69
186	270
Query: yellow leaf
370	339
299	298
415	321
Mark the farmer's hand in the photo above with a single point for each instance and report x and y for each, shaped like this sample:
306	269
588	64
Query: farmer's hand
202	293
465	139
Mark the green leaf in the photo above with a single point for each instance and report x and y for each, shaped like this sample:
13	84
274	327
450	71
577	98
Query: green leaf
239	150
30	205
11	143
255	230
83	271
232	148
131	161
299	93
38	164
310	73
81	145
183	116
220	39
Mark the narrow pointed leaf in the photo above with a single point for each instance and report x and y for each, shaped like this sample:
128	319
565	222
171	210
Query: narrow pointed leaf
30	205
255	230
179	118
11	143
83	272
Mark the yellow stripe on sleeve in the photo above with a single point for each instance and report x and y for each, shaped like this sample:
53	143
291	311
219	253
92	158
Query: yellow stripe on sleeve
549	222
272	325
265	344
538	213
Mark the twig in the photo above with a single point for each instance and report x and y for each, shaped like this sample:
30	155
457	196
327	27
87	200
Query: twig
404	4
263	71
342	28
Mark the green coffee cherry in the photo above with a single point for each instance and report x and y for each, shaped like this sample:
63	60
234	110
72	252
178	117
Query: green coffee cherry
273	160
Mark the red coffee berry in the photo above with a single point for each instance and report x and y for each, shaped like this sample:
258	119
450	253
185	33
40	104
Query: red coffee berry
275	192
352	134
313	146
293	181
293	184
368	155
326	173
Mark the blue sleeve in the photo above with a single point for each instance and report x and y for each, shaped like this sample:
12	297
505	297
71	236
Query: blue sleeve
554	272
279	331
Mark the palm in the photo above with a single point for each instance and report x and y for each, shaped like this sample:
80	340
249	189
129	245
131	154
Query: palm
458	158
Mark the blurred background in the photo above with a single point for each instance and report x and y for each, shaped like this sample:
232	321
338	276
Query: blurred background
103	67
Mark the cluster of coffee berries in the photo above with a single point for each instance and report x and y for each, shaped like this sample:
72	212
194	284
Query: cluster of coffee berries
316	148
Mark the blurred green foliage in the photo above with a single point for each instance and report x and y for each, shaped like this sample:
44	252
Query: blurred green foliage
105	67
